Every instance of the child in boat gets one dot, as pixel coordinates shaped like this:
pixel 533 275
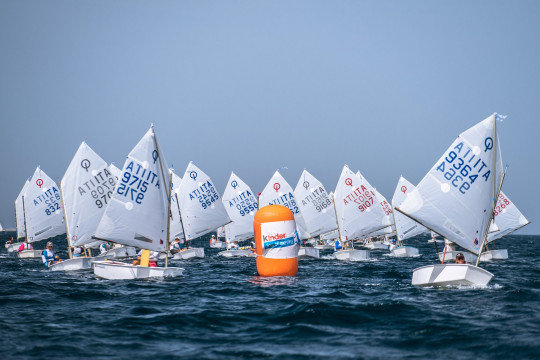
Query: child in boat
pixel 175 246
pixel 47 256
pixel 337 246
pixel 25 246
pixel 77 251
pixel 460 258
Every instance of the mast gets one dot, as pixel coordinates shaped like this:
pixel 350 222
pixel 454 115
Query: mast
pixel 168 193
pixel 181 221
pixel 337 219
pixel 65 220
pixel 24 217
pixel 16 225
pixel 495 194
pixel 395 224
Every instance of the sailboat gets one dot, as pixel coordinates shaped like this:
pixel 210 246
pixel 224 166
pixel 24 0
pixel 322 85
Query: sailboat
pixel 385 221
pixel 456 199
pixel 507 219
pixel 406 228
pixel 85 191
pixel 43 214
pixel 241 205
pixel 220 234
pixel 200 207
pixel 357 213
pixel 316 209
pixel 20 223
pixel 138 214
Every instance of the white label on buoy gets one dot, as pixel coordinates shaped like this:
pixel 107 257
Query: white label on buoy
pixel 279 239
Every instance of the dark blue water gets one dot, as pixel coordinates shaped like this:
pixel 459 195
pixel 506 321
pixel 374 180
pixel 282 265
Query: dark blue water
pixel 220 309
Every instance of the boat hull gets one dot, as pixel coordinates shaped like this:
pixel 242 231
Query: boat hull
pixel 490 255
pixel 219 245
pixel 120 252
pixel 237 253
pixel 324 247
pixel 305 251
pixel 451 256
pixel 114 270
pixel 78 263
pixel 376 246
pixel 451 275
pixel 189 253
pixel 13 247
pixel 352 255
pixel 30 254
pixel 405 251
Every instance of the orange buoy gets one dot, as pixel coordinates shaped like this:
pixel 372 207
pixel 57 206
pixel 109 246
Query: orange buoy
pixel 276 241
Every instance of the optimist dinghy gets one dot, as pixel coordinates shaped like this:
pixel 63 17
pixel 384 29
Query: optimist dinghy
pixel 241 205
pixel 456 199
pixel 406 227
pixel 200 207
pixel 42 209
pixel 138 213
pixel 85 191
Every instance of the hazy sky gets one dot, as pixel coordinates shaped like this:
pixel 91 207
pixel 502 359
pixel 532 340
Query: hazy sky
pixel 251 86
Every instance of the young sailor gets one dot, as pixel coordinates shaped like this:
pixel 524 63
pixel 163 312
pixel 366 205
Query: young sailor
pixel 25 246
pixel 175 246
pixel 213 239
pixel 104 247
pixel 337 245
pixel 47 256
pixel 9 242
pixel 77 251
pixel 235 246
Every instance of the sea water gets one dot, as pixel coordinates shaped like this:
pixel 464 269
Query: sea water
pixel 221 309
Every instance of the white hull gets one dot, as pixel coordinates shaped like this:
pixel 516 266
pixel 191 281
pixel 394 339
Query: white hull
pixel 113 270
pixel 237 253
pixel 305 251
pixel 77 263
pixel 324 247
pixel 352 255
pixel 376 246
pixel 490 255
pixel 451 274
pixel 189 253
pixel 29 254
pixel 451 256
pixel 405 251
pixel 120 252
pixel 219 245
pixel 13 247
pixel 432 241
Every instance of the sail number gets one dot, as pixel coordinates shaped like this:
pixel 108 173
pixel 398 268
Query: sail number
pixel 133 187
pixel 205 193
pixel 463 171
pixel 286 200
pixel 502 203
pixel 52 204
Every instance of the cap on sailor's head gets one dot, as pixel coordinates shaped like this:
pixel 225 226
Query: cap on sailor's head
pixel 213 235
pixel 460 256
pixel 49 243
pixel 176 239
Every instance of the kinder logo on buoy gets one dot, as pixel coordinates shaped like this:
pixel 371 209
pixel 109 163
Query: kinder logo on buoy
pixel 280 234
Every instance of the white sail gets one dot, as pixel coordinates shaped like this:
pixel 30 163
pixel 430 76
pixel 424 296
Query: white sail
pixel 176 221
pixel 87 187
pixel 279 192
pixel 200 204
pixel 315 205
pixel 137 214
pixel 405 226
pixel 455 198
pixel 241 205
pixel 507 218
pixel 357 209
pixel 1 228
pixel 19 212
pixel 43 208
